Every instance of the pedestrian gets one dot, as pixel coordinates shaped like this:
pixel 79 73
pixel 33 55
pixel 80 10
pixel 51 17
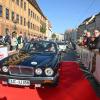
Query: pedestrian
pixel 14 42
pixel 25 39
pixel 7 38
pixel 20 41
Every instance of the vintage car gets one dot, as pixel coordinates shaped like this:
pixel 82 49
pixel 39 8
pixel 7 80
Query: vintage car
pixel 62 46
pixel 37 63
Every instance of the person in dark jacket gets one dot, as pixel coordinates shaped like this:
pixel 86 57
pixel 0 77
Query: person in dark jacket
pixel 20 42
pixel 88 39
pixel 97 39
pixel 25 39
pixel 7 38
pixel 92 44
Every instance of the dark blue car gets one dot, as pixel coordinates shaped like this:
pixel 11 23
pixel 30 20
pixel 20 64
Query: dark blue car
pixel 37 63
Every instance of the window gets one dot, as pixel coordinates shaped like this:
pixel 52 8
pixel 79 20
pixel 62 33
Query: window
pixel 34 27
pixel 21 3
pixel 24 21
pixel 33 14
pixel 29 12
pixel 24 5
pixel 31 25
pixel 37 18
pixel 21 20
pixel 17 18
pixel 7 13
pixel 28 24
pixel 0 11
pixel 12 16
pixel 17 2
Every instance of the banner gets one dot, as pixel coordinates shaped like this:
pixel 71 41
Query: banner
pixel 3 52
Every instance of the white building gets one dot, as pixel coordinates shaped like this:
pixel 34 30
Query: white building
pixel 48 30
pixel 59 37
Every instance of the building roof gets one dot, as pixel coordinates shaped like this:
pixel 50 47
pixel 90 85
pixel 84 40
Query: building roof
pixel 98 14
pixel 35 4
pixel 86 20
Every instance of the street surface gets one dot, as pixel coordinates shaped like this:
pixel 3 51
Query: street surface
pixel 72 86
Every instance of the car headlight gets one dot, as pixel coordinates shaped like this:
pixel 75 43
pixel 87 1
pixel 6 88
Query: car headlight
pixel 49 71
pixel 5 69
pixel 38 71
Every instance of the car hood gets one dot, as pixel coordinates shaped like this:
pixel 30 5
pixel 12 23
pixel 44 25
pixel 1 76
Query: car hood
pixel 38 60
pixel 33 60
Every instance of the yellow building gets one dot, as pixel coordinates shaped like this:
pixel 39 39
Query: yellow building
pixel 23 16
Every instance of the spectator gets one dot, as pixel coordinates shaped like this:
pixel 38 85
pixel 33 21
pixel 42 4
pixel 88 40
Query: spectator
pixel 7 38
pixel 97 39
pixel 87 39
pixel 25 39
pixel 14 42
pixel 92 44
pixel 84 40
pixel 1 38
pixel 20 42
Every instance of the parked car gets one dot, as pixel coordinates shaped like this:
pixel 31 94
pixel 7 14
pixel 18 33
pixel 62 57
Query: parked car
pixel 37 63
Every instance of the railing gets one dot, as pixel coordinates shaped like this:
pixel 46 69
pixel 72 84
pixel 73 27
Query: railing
pixel 90 60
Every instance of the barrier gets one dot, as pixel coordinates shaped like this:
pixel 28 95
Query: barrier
pixel 96 72
pixel 90 60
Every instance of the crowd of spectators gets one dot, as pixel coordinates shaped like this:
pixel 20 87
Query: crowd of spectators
pixel 92 41
pixel 15 41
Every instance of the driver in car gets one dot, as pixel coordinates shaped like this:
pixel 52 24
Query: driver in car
pixel 49 47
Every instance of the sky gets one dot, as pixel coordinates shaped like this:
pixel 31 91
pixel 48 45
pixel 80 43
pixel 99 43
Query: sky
pixel 68 14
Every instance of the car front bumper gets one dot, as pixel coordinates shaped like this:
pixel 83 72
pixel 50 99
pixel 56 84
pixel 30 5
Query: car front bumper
pixel 33 80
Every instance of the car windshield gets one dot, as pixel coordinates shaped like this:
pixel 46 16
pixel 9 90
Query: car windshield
pixel 61 43
pixel 40 46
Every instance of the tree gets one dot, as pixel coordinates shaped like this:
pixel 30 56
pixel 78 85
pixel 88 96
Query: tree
pixel 53 36
pixel 42 29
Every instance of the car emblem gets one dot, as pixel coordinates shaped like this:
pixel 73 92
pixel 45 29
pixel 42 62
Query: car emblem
pixel 34 63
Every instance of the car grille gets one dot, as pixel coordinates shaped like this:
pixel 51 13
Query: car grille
pixel 21 70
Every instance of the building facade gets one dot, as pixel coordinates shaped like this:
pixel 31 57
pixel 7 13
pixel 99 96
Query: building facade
pixel 22 16
pixel 48 30
pixel 90 24
pixel 59 36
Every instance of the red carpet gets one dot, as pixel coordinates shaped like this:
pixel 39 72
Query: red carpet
pixel 72 86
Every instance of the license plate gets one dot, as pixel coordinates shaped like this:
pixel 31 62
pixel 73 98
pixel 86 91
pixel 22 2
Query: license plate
pixel 19 82
pixel 37 85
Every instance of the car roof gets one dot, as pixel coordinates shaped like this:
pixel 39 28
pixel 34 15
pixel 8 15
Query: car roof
pixel 61 42
pixel 43 41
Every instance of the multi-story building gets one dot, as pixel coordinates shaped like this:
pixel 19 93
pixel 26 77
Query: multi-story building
pixel 22 16
pixel 90 24
pixel 48 30
pixel 59 36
